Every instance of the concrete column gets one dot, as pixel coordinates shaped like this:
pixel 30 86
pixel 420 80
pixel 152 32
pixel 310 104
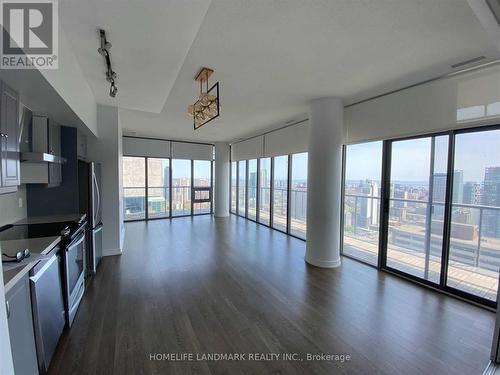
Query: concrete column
pixel 324 176
pixel 221 179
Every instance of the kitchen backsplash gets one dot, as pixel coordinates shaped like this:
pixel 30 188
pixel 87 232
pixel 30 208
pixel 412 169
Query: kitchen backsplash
pixel 9 206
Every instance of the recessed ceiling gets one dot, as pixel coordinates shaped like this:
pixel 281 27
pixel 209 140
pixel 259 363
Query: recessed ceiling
pixel 150 42
pixel 273 57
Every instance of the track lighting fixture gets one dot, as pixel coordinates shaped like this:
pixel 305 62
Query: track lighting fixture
pixel 111 75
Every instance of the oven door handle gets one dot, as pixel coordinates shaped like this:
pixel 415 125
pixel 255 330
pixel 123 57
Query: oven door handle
pixel 76 243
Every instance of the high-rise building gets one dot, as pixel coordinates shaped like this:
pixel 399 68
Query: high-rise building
pixel 472 193
pixel 458 186
pixel 439 187
pixel 368 212
pixel 491 197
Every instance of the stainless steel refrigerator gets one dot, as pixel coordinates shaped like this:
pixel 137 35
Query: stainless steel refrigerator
pixel 91 201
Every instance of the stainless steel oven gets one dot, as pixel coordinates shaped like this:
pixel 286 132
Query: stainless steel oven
pixel 74 273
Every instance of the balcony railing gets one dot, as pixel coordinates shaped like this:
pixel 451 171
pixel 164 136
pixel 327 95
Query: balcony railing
pixel 415 239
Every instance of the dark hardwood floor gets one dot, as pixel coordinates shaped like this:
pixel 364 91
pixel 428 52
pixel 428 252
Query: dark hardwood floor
pixel 205 285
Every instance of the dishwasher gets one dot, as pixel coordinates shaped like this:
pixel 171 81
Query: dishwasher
pixel 48 307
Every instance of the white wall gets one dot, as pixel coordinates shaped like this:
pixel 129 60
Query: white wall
pixel 435 106
pixel 70 83
pixel 107 150
pixel 9 206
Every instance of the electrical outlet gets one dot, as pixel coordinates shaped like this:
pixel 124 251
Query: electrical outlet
pixel 20 202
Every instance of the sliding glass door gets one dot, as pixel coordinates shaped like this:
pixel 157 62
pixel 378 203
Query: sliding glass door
pixel 474 257
pixel 265 191
pixel 158 188
pixel 252 189
pixel 242 190
pixel 280 192
pixel 298 195
pixel 234 186
pixel 439 209
pixel 134 188
pixel 202 191
pixel 417 190
pixel 181 187
pixel 362 183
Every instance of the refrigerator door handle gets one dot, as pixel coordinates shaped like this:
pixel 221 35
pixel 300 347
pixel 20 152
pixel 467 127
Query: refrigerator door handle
pixel 98 197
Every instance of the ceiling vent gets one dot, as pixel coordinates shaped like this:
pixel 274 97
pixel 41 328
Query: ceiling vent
pixel 495 9
pixel 468 62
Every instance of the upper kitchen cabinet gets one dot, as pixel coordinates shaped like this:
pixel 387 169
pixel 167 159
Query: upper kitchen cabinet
pixel 9 139
pixel 81 146
pixel 42 162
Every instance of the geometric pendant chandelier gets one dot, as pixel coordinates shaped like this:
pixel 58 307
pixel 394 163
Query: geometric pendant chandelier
pixel 207 107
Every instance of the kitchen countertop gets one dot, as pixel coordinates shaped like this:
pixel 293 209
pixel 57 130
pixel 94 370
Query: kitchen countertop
pixel 50 219
pixel 41 245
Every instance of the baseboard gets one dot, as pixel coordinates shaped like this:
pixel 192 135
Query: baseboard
pixel 111 252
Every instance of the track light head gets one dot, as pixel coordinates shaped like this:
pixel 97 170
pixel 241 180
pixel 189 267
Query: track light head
pixel 113 90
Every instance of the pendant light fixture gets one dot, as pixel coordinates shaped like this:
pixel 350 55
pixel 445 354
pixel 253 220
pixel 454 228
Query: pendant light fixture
pixel 207 107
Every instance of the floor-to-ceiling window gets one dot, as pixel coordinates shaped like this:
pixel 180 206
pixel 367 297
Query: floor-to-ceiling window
pixel 181 187
pixel 242 180
pixel 134 188
pixel 439 204
pixel 280 192
pixel 234 186
pixel 158 188
pixel 202 182
pixel 362 182
pixel 265 191
pixel 298 195
pixel 252 189
pixel 418 177
pixel 474 257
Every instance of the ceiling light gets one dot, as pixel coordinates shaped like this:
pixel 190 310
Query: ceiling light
pixel 104 48
pixel 207 107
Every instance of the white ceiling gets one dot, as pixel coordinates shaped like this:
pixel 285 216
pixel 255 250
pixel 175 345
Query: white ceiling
pixel 150 40
pixel 271 57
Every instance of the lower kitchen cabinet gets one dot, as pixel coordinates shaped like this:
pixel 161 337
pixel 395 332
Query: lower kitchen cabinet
pixel 20 320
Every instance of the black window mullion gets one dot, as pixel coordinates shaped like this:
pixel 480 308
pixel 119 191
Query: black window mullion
pixel 170 186
pixel 212 187
pixel 384 203
pixel 288 193
pixel 271 195
pixel 237 188
pixel 447 211
pixel 246 188
pixel 146 190
pixel 342 200
pixel 257 193
pixel 192 187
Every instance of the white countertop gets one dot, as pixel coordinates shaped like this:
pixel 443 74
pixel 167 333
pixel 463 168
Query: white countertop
pixel 41 245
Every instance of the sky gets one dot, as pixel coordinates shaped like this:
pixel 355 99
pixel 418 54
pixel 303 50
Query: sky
pixel 410 159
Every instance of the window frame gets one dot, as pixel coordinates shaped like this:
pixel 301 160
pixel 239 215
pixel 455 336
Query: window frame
pixel 146 187
pixel 441 286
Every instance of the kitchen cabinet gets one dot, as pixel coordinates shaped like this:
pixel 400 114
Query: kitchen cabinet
pixel 81 146
pixel 54 148
pixel 45 144
pixel 20 321
pixel 9 139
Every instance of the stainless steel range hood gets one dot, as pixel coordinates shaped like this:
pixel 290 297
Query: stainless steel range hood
pixel 41 157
